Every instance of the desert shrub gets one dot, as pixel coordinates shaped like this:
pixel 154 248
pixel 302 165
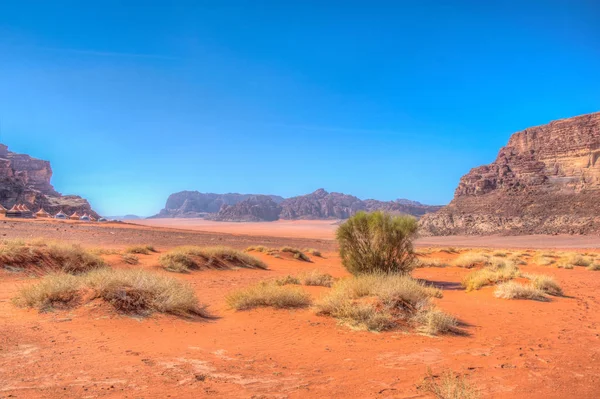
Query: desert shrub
pixel 470 259
pixel 448 386
pixel 380 302
pixel 68 258
pixel 184 259
pixel 377 242
pixel 130 259
pixel 317 278
pixel 289 279
pixel 266 294
pixel 594 267
pixel 489 275
pixel 140 249
pixel 500 254
pixel 545 283
pixel 53 290
pixel 296 253
pixel 136 291
pixel 513 290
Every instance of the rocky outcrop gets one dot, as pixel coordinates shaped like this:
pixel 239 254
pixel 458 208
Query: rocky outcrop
pixel 26 180
pixel 248 207
pixel 321 205
pixel 193 204
pixel 545 181
pixel 324 205
pixel 257 208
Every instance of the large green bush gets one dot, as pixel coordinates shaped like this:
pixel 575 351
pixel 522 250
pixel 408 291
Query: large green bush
pixel 377 242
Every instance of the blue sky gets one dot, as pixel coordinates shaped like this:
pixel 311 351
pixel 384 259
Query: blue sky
pixel 380 99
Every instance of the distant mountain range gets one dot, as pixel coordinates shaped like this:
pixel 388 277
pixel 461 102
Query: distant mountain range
pixel 125 217
pixel 255 207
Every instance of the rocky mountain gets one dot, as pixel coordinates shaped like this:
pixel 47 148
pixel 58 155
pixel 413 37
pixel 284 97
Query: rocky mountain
pixel 321 205
pixel 193 204
pixel 317 205
pixel 257 208
pixel 26 180
pixel 545 181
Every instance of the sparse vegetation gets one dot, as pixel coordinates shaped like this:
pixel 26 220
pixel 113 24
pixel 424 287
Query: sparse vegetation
pixel 184 259
pixel 470 259
pixel 130 259
pixel 377 242
pixel 490 275
pixel 131 291
pixel 513 290
pixel 289 279
pixel 140 249
pixel 296 253
pixel 313 252
pixel 431 262
pixel 380 302
pixel 448 386
pixel 68 258
pixel 545 283
pixel 594 267
pixel 318 278
pixel 55 290
pixel 267 294
pixel 578 260
pixel 139 292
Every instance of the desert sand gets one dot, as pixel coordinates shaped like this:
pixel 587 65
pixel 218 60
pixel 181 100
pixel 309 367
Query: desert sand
pixel 508 349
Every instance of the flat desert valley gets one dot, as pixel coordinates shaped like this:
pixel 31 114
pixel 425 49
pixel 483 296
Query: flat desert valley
pixel 502 348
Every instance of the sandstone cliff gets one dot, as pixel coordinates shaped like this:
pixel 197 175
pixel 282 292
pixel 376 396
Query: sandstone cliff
pixel 194 204
pixel 257 208
pixel 24 179
pixel 545 181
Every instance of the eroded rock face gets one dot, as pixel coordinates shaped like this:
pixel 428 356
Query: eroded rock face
pixel 545 181
pixel 193 204
pixel 257 208
pixel 24 179
pixel 249 207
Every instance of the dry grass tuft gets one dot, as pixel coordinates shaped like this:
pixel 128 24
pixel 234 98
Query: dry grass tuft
pixel 594 267
pixel 380 302
pixel 267 294
pixel 471 259
pixel 431 262
pixel 130 259
pixel 53 257
pixel 140 292
pixel 297 253
pixel 578 260
pixel 448 386
pixel 184 259
pixel 140 249
pixel 317 278
pixel 313 252
pixel 513 290
pixel 289 279
pixel 545 283
pixel 490 275
pixel 55 290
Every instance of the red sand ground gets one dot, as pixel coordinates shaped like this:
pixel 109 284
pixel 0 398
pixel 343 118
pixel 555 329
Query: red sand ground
pixel 512 349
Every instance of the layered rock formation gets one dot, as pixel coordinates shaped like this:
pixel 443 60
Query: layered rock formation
pixel 193 204
pixel 257 208
pixel 317 205
pixel 545 181
pixel 26 180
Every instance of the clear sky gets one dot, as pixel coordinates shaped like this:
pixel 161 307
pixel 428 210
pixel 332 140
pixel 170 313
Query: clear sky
pixel 380 99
